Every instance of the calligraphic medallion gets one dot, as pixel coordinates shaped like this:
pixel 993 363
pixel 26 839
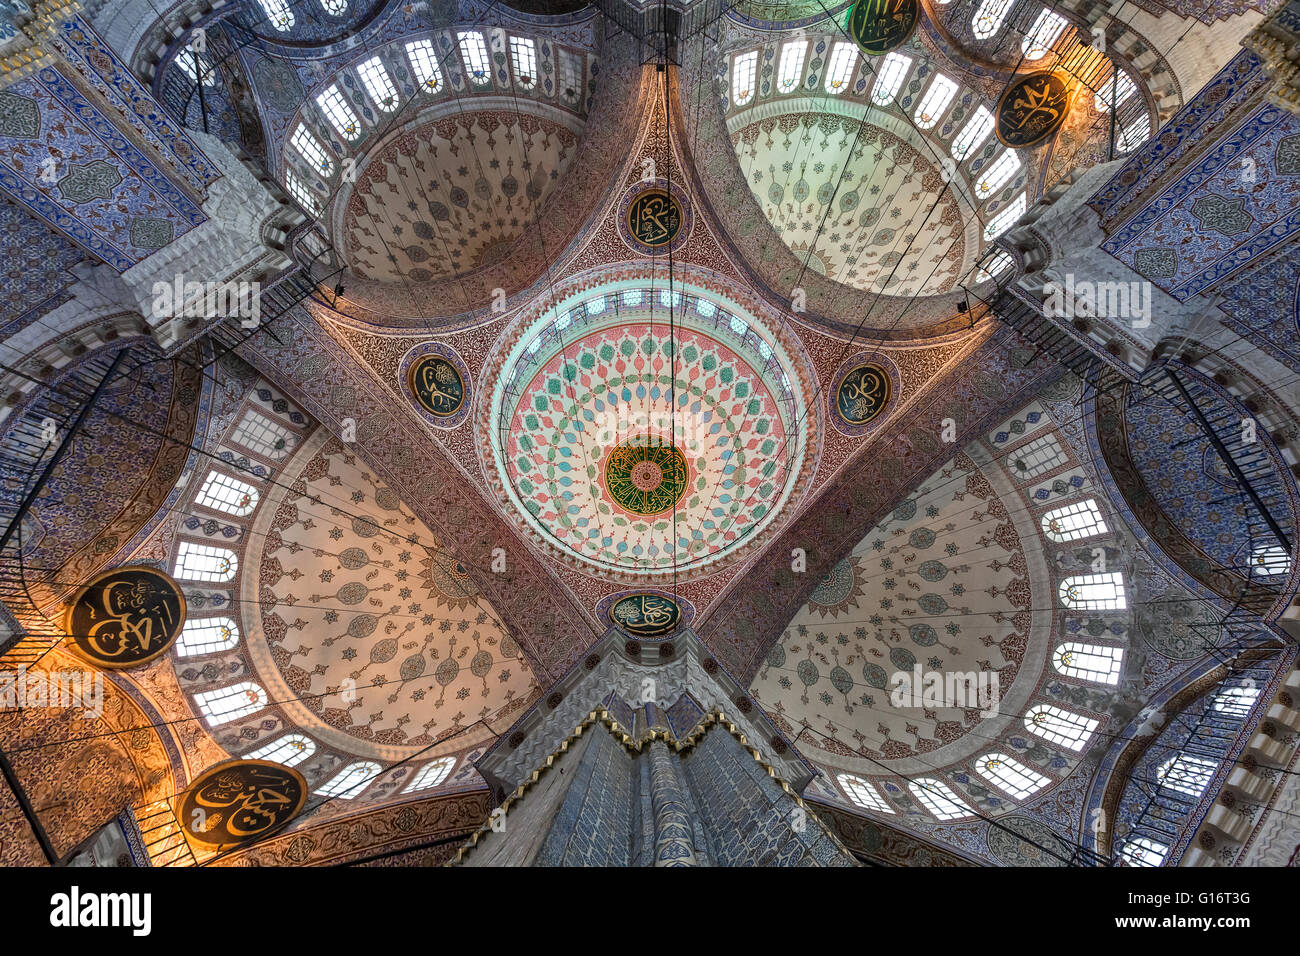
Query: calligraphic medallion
pixel 646 475
pixel 125 617
pixel 240 801
pixel 878 26
pixel 1032 108
pixel 654 218
pixel 645 615
pixel 437 385
pixel 863 394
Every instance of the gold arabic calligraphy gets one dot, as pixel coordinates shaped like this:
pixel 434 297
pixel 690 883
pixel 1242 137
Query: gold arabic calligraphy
pixel 654 218
pixel 126 616
pixel 238 802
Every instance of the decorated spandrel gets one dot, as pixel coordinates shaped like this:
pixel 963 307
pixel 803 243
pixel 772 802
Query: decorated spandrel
pixel 241 801
pixel 1032 108
pixel 654 218
pixel 863 394
pixel 646 476
pixel 437 385
pixel 125 617
pixel 878 26
pixel 646 614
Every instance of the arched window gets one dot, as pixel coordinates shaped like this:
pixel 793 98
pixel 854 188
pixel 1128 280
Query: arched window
pixel 1269 562
pixel 743 71
pixel 997 174
pixel 1186 773
pixel 988 18
pixel 1045 31
pixel 432 774
pixel 840 70
pixel 351 780
pixel 230 703
pixel 263 436
pixel 1135 134
pixel 1036 457
pixel 335 8
pixel 570 77
pixel 424 64
pixel 1062 727
pixel 1010 775
pixel 863 793
pixel 1005 219
pixel 374 77
pixel 1116 89
pixel 790 73
pixel 939 800
pixel 1092 662
pixel 278 12
pixel 194 65
pixel 937 97
pixel 206 635
pixel 523 56
pixel 973 134
pixel 994 265
pixel 202 562
pixel 889 78
pixel 220 492
pixel 1143 851
pixel 1079 519
pixel 1094 592
pixel 290 750
pixel 298 189
pixel 310 149
pixel 339 113
pixel 1235 701
pixel 474 52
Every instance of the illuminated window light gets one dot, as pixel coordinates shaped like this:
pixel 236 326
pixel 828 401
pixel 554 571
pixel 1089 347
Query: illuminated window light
pixel 840 70
pixel 1005 219
pixel 743 72
pixel 790 73
pixel 1061 727
pixel 377 83
pixel 937 97
pixel 889 79
pixel 523 56
pixel 1091 662
pixel 340 115
pixel 424 64
pixel 1045 31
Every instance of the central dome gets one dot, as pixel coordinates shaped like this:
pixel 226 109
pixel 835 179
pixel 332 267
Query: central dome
pixel 639 446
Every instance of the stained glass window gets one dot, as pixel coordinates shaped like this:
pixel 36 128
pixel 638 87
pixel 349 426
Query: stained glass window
pixel 1062 727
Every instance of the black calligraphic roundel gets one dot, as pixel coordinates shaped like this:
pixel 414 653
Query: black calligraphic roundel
pixel 654 218
pixel 241 801
pixel 645 615
pixel 1032 108
pixel 125 617
pixel 863 394
pixel 878 26
pixel 437 385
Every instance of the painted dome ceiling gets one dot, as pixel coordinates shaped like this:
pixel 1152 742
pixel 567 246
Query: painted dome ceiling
pixel 452 195
pixel 644 432
pixel 873 221
pixel 961 578
pixel 603 336
pixel 376 602
pixel 362 630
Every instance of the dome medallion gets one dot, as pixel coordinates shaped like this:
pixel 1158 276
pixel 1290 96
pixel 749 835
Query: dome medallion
pixel 636 448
